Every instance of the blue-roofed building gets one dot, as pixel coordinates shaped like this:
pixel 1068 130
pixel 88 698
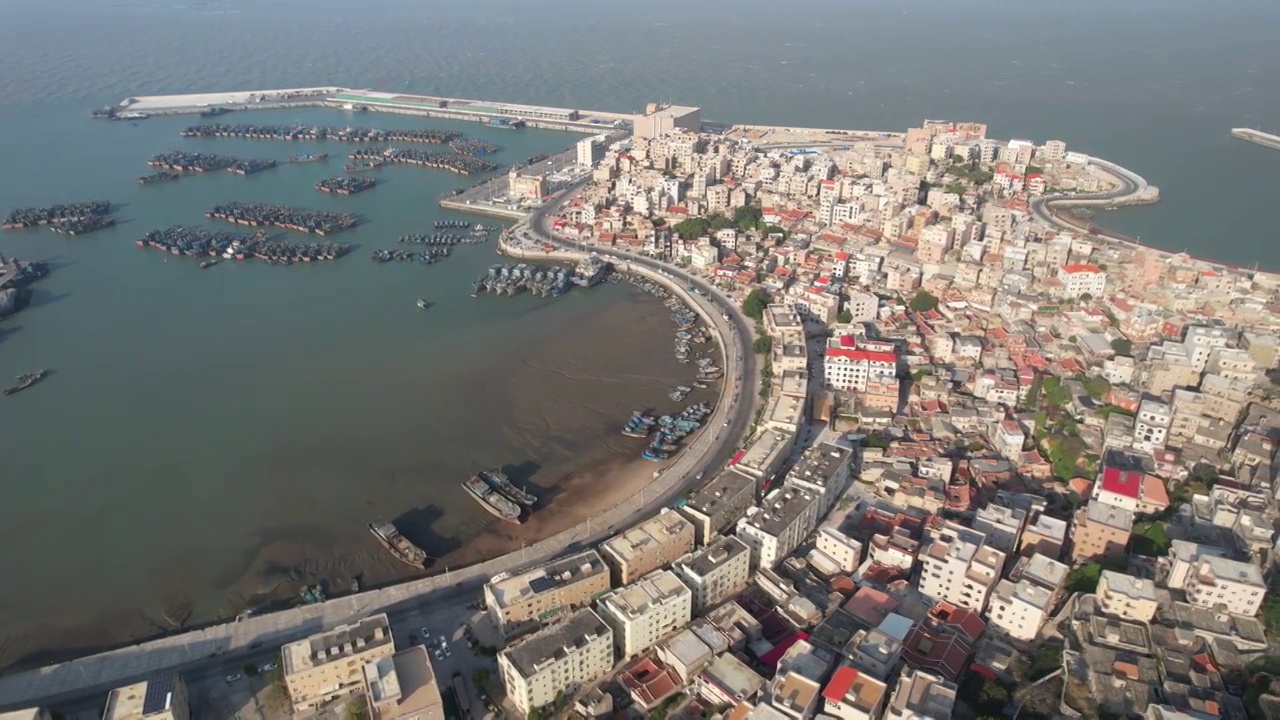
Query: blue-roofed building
pixel 162 696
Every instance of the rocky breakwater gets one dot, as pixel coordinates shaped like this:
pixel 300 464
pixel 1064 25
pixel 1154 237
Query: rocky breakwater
pixel 15 277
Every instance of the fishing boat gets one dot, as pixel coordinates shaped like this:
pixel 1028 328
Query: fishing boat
pixel 304 157
pixel 491 500
pixel 397 544
pixel 653 455
pixel 208 263
pixel 423 304
pixel 25 381
pixel 499 481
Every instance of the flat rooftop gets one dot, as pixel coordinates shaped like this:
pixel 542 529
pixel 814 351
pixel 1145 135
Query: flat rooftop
pixel 337 644
pixel 729 484
pixel 1002 516
pixel 1129 586
pixel 639 598
pixel 407 678
pixel 765 451
pixel 783 316
pixel 820 464
pixel 779 510
pixel 665 527
pixel 579 630
pixel 795 382
pixel 715 555
pixel 786 410
pixel 547 577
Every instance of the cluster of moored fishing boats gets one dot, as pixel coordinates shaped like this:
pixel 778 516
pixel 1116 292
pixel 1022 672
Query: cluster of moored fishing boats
pixel 346 184
pixel 451 225
pixel 156 178
pixel 318 132
pixel 192 241
pixel 453 162
pixel 668 430
pixel 67 218
pixel 498 495
pixel 316 222
pixel 181 161
pixel 511 279
pixel 429 256
pixel 473 147
pixel 475 238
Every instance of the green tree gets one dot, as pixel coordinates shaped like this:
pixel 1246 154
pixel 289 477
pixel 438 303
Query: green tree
pixel 659 222
pixel 874 441
pixel 747 217
pixel 762 345
pixel 692 228
pixel 479 677
pixel 1271 613
pixel 845 317
pixel 1097 387
pixel 1084 579
pixel 753 307
pixel 718 222
pixel 1122 346
pixel 923 301
pixel 1086 297
pixel 957 188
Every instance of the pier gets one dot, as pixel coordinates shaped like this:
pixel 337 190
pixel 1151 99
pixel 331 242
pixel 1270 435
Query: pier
pixel 1257 137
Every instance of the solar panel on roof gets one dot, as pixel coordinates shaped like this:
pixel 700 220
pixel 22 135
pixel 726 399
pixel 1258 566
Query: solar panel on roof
pixel 542 584
pixel 159 690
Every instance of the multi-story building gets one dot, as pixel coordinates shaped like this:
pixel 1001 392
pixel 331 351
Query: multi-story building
pixel 1082 279
pixel 1151 427
pixel 851 365
pixel 835 553
pixel 823 471
pixel 1222 583
pixel 861 306
pixel 558 659
pixel 957 566
pixel 717 505
pixel 330 664
pixel 160 697
pixel 521 602
pixel 716 572
pixel 1100 531
pixel 781 522
pixel 1045 535
pixel 1126 596
pixel 591 150
pixel 646 611
pixel 1019 609
pixel 921 696
pixel 878 651
pixel 654 543
pixel 1009 439
pixel 403 686
pixel 1002 526
pixel 853 695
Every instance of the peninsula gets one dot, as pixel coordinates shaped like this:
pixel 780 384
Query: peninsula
pixel 961 414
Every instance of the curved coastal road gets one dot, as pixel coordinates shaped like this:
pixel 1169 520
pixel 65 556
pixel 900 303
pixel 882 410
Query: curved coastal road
pixel 1132 186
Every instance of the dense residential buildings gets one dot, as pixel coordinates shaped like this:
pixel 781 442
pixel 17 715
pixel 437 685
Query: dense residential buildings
pixel 957 566
pixel 716 572
pixel 652 544
pixel 330 664
pixel 719 504
pixel 646 611
pixel 560 658
pixel 522 601
pixel 778 525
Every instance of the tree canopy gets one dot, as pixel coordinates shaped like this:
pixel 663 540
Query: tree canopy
pixel 753 307
pixel 923 301
pixel 1122 346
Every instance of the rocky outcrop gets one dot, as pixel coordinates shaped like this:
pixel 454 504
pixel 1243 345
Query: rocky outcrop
pixel 13 300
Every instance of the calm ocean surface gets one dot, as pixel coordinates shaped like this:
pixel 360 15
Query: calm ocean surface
pixel 213 436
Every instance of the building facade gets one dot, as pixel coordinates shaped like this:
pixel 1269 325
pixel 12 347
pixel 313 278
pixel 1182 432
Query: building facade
pixel 643 613
pixel 653 544
pixel 715 573
pixel 559 659
pixel 522 602
pixel 330 664
pixel 785 517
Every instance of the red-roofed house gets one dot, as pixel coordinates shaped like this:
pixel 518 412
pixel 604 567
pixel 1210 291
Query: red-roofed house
pixel 648 682
pixel 853 695
pixel 1132 490
pixel 936 649
pixel 870 606
pixel 1080 279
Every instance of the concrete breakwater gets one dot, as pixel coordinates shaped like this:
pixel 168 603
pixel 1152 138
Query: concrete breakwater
pixel 232 642
pixel 1257 137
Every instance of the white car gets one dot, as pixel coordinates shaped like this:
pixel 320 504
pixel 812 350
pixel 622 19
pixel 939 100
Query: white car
pixel 426 633
pixel 268 667
pixel 233 677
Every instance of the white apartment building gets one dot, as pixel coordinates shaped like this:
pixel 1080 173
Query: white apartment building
pixel 1009 439
pixel 1020 604
pixel 861 306
pixel 850 365
pixel 1200 342
pixel 958 567
pixel 921 696
pixel 1126 596
pixel 778 525
pixel 716 572
pixel 558 659
pixel 1151 427
pixel 835 553
pixel 822 471
pixel 646 611
pixel 1218 582
pixel 1002 526
pixel 1081 278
